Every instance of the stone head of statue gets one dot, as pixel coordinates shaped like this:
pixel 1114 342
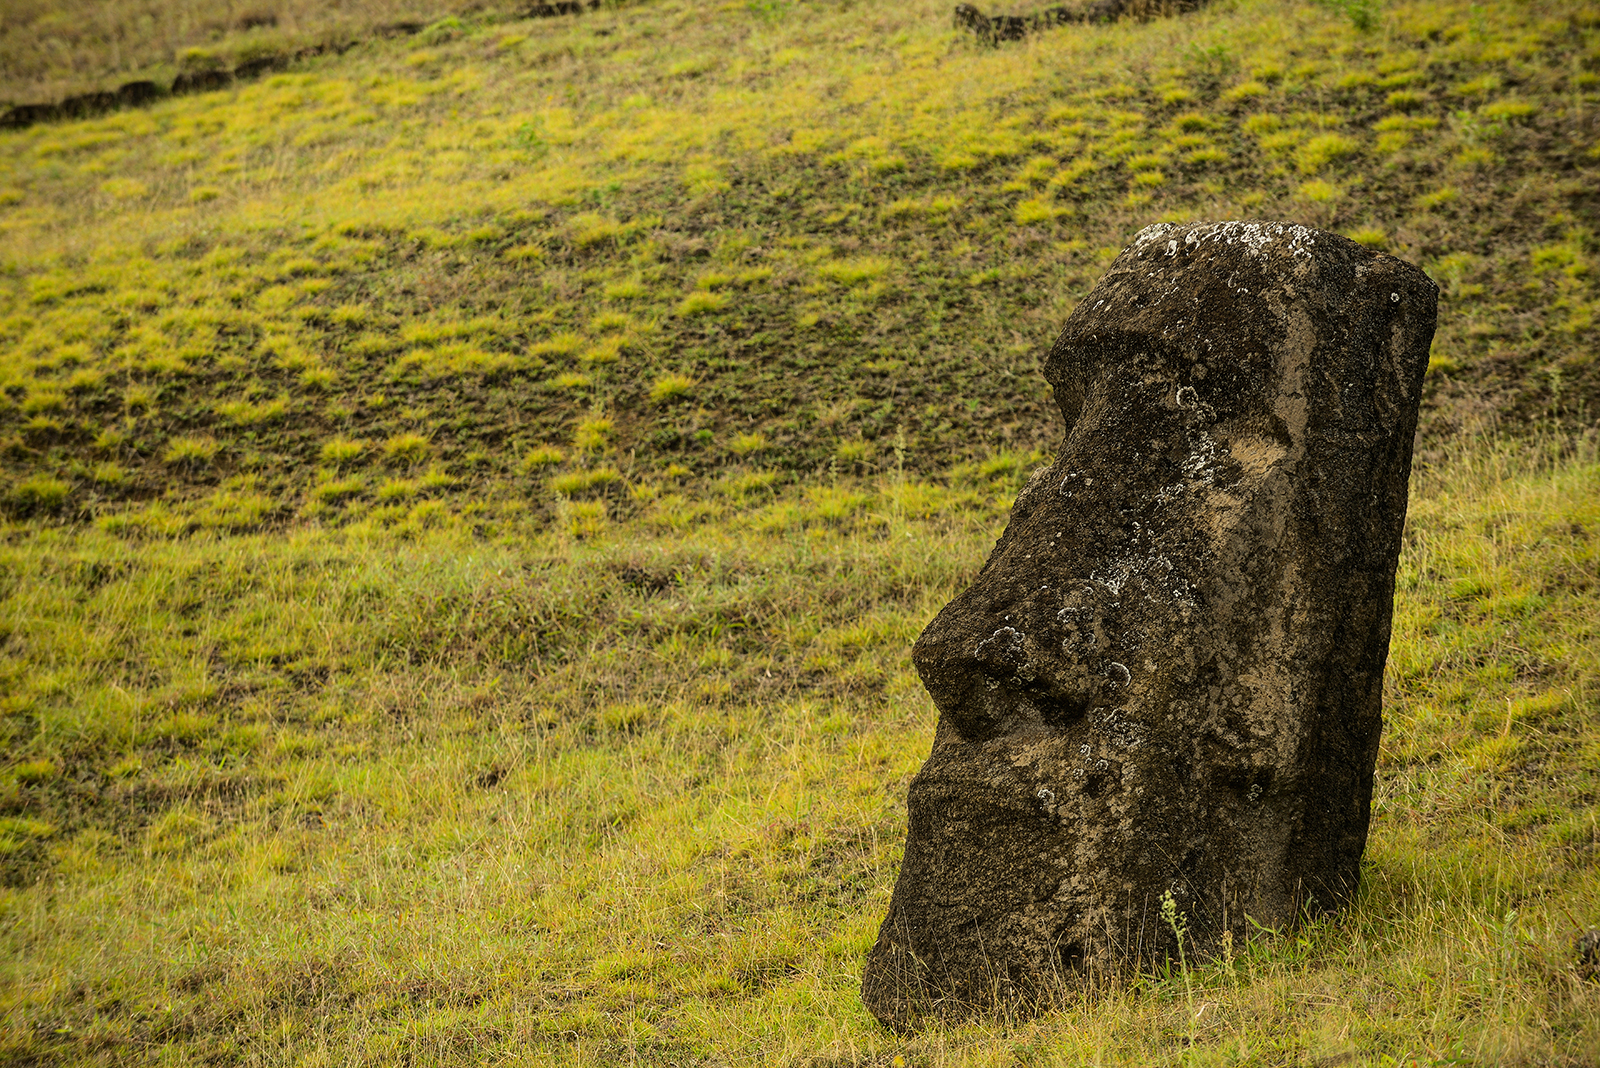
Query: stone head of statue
pixel 1163 688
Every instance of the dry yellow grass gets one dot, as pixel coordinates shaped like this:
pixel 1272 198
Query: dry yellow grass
pixel 348 797
pixel 50 49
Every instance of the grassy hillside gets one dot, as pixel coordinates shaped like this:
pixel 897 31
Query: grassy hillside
pixel 467 503
pixel 328 797
pixel 605 255
pixel 50 49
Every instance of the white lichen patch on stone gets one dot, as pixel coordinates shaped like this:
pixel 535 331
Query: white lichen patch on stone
pixel 1120 731
pixel 1153 573
pixel 1069 485
pixel 1253 236
pixel 1201 463
pixel 1005 645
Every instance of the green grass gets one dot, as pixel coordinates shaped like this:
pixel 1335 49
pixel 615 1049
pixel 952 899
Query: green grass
pixel 363 793
pixel 50 50
pixel 466 505
pixel 835 227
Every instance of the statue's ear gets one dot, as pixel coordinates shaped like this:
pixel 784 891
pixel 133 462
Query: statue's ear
pixel 1068 378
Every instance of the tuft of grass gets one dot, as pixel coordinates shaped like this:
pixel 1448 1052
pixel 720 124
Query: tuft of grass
pixel 235 511
pixel 1508 110
pixel 109 474
pixel 584 519
pixel 1318 191
pixel 575 483
pixel 1371 236
pixel 34 772
pixel 407 449
pixel 192 452
pixel 608 351
pixel 1318 152
pixel 85 380
pixel 571 380
pixel 318 379
pixel 541 456
pixel 245 413
pixel 671 387
pixel 853 272
pixel 332 490
pixel 592 434
pixel 341 451
pixel 627 289
pixel 40 494
pixel 42 399
pixel 396 489
pixel 1438 198
pixel 853 452
pixel 748 444
pixel 1036 210
pixel 700 304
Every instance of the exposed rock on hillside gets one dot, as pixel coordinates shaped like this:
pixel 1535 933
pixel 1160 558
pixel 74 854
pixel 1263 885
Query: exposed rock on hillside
pixel 996 28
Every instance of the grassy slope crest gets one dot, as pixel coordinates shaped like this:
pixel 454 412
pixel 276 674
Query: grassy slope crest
pixel 620 258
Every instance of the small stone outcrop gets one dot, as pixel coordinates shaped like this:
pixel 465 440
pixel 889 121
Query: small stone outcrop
pixel 993 29
pixel 25 115
pixel 87 104
pixel 138 94
pixel 204 79
pixel 1160 701
pixel 259 65
pixel 1586 952
pixel 83 106
pixel 201 81
pixel 561 7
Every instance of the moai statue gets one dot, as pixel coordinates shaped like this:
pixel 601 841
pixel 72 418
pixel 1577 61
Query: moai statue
pixel 1165 686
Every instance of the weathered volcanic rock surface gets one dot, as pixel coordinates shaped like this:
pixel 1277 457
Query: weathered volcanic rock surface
pixel 1168 676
